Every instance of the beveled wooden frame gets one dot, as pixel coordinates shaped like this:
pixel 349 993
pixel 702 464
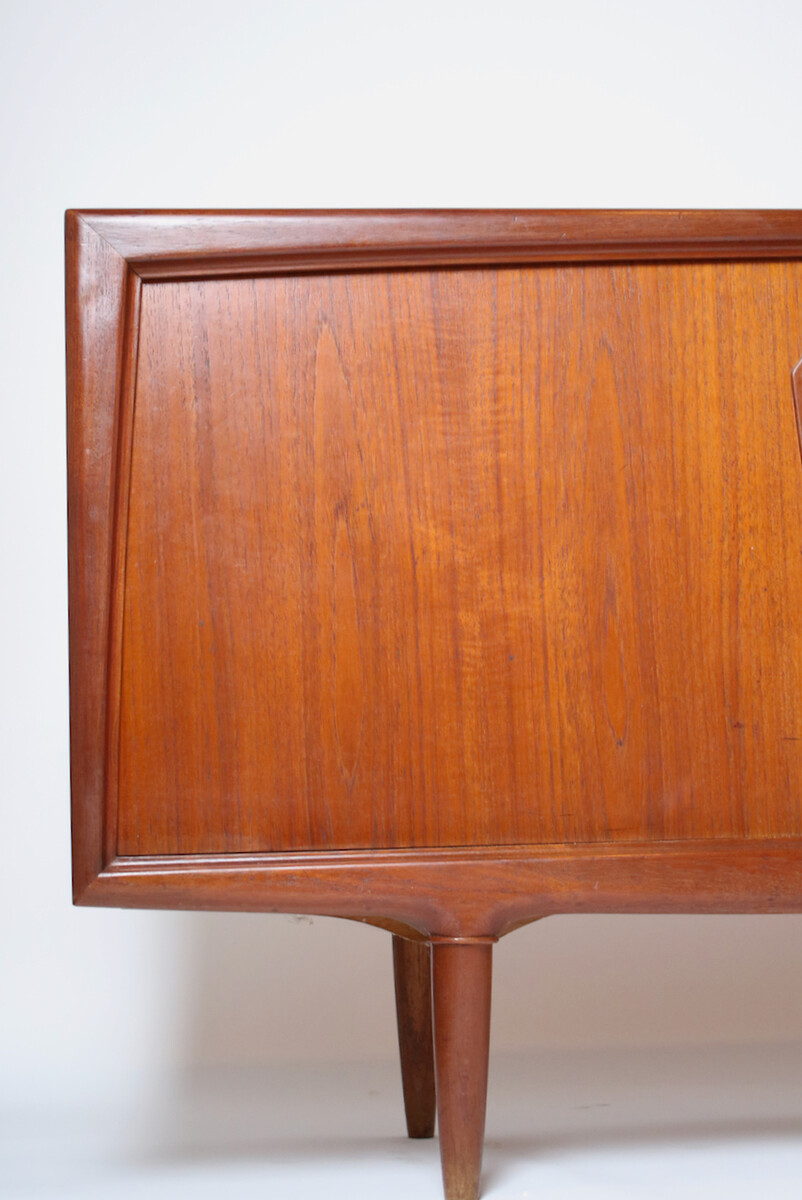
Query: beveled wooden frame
pixel 466 894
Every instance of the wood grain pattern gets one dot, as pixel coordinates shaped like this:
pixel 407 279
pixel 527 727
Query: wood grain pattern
pixel 730 868
pixel 464 558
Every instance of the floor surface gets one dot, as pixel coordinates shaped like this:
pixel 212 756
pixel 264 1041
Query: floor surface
pixel 651 1124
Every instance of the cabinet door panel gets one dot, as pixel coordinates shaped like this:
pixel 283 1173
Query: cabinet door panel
pixel 463 557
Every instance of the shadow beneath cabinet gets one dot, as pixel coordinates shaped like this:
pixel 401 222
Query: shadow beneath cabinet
pixel 541 1108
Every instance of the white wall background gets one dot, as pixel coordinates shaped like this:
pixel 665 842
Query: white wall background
pixel 165 103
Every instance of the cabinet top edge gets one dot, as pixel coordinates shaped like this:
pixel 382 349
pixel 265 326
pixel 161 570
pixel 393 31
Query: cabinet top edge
pixel 159 242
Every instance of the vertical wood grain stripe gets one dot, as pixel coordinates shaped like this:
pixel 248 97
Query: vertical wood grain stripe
pixel 343 536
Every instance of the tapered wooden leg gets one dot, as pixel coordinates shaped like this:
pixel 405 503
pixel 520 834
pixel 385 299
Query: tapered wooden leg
pixel 413 1001
pixel 461 976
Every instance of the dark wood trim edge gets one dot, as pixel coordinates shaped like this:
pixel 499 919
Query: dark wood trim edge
pixel 96 281
pixel 182 245
pixel 472 893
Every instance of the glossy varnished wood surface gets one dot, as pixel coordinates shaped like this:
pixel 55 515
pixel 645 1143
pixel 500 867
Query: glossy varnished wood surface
pixel 113 259
pixel 440 558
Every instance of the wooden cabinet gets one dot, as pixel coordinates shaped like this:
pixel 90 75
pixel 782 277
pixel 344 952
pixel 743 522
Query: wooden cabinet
pixel 440 570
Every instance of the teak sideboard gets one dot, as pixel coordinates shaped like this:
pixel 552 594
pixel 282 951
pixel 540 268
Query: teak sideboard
pixel 441 570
